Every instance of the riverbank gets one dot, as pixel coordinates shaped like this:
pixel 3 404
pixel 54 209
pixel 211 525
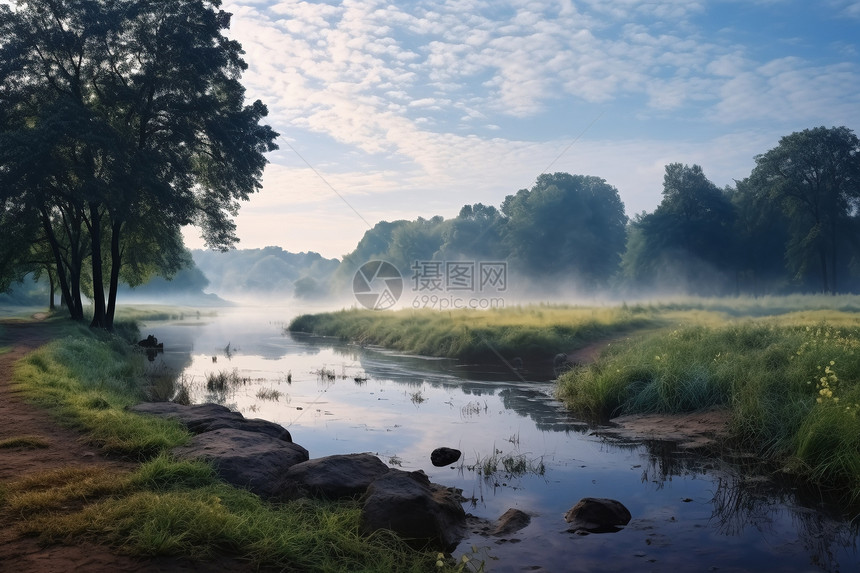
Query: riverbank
pixel 521 338
pixel 92 488
pixel 785 371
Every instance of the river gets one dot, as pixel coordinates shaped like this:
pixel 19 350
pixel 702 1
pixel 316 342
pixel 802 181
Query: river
pixel 690 513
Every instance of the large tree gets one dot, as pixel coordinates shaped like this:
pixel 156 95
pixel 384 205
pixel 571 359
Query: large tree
pixel 687 242
pixel 815 175
pixel 566 226
pixel 123 121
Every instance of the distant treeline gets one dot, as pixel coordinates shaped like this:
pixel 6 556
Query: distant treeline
pixel 791 226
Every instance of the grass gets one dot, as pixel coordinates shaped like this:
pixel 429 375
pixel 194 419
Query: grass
pixel 166 507
pixel 27 442
pixel 792 385
pixel 509 465
pixel 180 509
pixel 87 382
pixel 537 331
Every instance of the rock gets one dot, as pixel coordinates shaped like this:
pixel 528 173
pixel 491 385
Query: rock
pixel 334 477
pixel 511 521
pixel 246 459
pixel 597 515
pixel 151 342
pixel 200 418
pixel 424 514
pixel 443 456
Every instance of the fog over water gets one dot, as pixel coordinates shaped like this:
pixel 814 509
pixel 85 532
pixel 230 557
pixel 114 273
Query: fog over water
pixel 689 512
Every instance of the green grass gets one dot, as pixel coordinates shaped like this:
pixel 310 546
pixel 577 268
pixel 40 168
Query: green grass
pixel 168 507
pixel 87 382
pixel 180 509
pixel 793 388
pixel 537 331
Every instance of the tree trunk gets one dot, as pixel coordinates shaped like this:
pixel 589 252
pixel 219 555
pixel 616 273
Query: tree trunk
pixel 822 257
pixel 51 288
pixel 58 261
pixel 95 224
pixel 116 263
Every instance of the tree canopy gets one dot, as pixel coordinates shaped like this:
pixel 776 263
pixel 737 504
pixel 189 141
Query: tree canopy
pixel 814 175
pixel 121 122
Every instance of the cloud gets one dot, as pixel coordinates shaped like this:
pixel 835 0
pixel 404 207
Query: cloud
pixel 417 108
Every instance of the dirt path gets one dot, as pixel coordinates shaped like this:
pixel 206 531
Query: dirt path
pixel 65 448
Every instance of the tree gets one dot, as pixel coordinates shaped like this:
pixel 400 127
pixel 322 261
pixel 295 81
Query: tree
pixel 566 225
pixel 688 237
pixel 124 121
pixel 476 233
pixel 762 228
pixel 814 174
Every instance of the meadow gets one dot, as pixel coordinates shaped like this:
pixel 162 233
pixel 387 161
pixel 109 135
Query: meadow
pixel 787 368
pixel 166 507
pixel 528 332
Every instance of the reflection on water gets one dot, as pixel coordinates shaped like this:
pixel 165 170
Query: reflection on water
pixel 689 512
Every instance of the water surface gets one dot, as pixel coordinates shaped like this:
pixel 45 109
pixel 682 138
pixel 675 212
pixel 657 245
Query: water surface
pixel 690 513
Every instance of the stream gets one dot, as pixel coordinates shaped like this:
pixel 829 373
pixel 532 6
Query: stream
pixel 521 449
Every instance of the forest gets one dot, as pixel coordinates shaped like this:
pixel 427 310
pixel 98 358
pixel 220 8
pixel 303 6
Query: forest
pixel 791 226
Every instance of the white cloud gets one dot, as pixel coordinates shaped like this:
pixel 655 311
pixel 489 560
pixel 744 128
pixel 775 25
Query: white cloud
pixel 401 107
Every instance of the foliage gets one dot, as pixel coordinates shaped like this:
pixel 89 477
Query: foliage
pixel 269 271
pixel 792 384
pixel 124 121
pixel 566 226
pixel 686 244
pixel 814 175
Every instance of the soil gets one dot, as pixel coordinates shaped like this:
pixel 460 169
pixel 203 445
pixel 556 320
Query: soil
pixel 701 429
pixel 66 448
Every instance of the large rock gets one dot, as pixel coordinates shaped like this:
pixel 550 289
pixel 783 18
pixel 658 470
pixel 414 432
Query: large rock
pixel 200 418
pixel 246 459
pixel 334 477
pixel 424 514
pixel 597 515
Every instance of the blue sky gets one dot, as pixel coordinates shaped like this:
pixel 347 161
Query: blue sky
pixel 395 110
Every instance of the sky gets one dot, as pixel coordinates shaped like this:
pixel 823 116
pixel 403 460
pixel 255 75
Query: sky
pixel 398 110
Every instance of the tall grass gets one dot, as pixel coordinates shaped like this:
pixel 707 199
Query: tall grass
pixel 793 388
pixel 535 331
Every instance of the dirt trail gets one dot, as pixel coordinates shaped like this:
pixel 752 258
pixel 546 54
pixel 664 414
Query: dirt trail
pixel 65 449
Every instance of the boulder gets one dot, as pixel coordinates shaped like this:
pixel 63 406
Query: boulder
pixel 334 477
pixel 444 456
pixel 510 522
pixel 424 514
pixel 597 515
pixel 245 459
pixel 200 418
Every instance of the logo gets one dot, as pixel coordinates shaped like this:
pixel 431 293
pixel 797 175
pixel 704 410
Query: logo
pixel 377 285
